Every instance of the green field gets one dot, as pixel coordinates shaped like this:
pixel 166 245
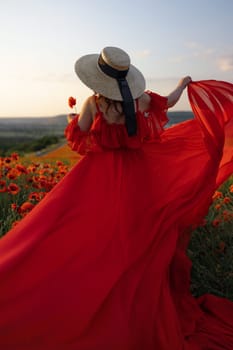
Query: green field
pixel 20 134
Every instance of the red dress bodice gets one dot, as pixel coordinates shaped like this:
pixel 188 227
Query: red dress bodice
pixel 105 136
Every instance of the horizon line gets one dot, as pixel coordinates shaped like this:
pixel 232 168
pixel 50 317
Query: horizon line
pixel 65 114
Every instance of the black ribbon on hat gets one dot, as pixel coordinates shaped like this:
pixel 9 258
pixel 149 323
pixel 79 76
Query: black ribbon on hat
pixel 128 102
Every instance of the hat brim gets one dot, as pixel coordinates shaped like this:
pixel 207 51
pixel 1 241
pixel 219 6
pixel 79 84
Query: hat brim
pixel 90 74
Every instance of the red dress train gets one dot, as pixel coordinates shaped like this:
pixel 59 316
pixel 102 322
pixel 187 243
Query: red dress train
pixel 100 263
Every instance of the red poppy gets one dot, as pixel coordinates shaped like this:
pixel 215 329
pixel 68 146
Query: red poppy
pixel 36 165
pixel 226 200
pixel 59 163
pixel 15 223
pixel 3 186
pixel 29 179
pixel 216 222
pixel 71 102
pixel 7 160
pixel 14 156
pixel 217 194
pixel 21 168
pixel 12 174
pixel 14 206
pixel 2 183
pixel 34 196
pixel 31 168
pixel 26 206
pixel 62 171
pixel 42 194
pixel 46 166
pixel 13 188
pixel 226 215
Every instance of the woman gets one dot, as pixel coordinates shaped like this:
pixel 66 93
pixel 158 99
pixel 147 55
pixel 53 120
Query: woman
pixel 100 263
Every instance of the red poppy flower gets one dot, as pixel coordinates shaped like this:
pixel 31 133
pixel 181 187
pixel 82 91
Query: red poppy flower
pixel 71 101
pixel 216 222
pixel 7 160
pixel 3 186
pixel 15 223
pixel 14 156
pixel 12 174
pixel 34 196
pixel 21 168
pixel 31 168
pixel 226 215
pixel 13 188
pixel 26 206
pixel 46 166
pixel 14 206
pixel 2 183
pixel 226 200
pixel 59 163
pixel 217 194
pixel 36 164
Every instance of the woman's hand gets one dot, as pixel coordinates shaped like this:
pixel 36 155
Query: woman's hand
pixel 70 117
pixel 184 82
pixel 174 96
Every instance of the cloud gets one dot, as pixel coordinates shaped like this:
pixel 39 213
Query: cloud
pixel 143 53
pixel 178 59
pixel 199 50
pixel 194 50
pixel 225 64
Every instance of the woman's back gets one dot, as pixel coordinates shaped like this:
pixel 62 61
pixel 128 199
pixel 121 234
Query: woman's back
pixel 112 111
pixel 101 124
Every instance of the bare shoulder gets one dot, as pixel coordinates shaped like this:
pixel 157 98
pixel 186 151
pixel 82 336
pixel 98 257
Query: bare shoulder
pixel 89 106
pixel 86 115
pixel 92 101
pixel 89 102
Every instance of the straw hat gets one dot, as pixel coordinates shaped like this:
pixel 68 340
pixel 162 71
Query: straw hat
pixel 100 73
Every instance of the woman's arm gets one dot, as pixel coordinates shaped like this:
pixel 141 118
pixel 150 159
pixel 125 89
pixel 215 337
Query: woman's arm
pixel 175 95
pixel 86 115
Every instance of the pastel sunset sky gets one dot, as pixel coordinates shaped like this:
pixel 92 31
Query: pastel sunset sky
pixel 166 39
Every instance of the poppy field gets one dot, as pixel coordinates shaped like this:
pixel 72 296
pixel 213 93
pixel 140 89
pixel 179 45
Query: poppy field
pixel 23 185
pixel 24 182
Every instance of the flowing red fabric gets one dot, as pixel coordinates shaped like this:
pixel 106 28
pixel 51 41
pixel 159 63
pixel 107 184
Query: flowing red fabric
pixel 100 262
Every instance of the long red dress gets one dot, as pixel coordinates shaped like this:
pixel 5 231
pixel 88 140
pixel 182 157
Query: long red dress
pixel 100 263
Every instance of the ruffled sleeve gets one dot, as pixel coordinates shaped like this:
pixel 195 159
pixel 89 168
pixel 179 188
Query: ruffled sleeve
pixel 159 106
pixel 77 139
pixel 151 123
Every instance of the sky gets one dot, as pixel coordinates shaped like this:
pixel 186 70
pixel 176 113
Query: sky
pixel 166 39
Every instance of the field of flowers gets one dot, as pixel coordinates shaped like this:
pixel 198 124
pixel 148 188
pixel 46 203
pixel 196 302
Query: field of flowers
pixel 25 182
pixel 211 247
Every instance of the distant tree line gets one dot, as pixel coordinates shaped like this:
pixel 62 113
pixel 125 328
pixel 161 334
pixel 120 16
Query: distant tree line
pixel 22 146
